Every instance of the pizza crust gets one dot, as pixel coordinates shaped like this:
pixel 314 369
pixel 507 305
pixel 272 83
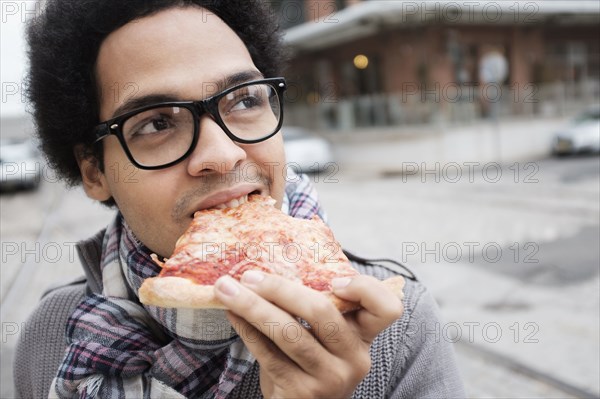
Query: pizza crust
pixel 178 292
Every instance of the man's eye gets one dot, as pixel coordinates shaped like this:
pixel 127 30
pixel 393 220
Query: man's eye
pixel 154 125
pixel 246 102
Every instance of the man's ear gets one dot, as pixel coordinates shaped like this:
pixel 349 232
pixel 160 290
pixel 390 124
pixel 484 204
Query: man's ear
pixel 94 181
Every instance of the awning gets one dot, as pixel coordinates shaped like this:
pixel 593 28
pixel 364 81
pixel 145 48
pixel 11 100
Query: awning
pixel 369 17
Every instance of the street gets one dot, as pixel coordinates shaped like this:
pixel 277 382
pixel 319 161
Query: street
pixel 511 255
pixel 509 251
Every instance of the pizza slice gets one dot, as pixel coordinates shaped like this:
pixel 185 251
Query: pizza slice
pixel 252 236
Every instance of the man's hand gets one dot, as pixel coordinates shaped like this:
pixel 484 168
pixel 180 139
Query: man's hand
pixel 327 360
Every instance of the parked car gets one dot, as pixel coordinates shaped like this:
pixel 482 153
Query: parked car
pixel 581 135
pixel 20 164
pixel 306 152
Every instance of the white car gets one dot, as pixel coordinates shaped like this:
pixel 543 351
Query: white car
pixel 581 135
pixel 306 152
pixel 20 164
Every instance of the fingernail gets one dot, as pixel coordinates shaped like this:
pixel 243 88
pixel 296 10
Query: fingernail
pixel 252 277
pixel 340 282
pixel 227 286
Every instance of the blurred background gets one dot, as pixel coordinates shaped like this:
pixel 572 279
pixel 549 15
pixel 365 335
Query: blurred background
pixel 458 137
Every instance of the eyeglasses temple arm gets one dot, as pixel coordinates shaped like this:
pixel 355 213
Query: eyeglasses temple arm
pixel 101 131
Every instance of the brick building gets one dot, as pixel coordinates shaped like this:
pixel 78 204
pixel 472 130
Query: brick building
pixel 362 63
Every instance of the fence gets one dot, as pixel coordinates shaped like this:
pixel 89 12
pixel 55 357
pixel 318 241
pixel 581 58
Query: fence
pixel 451 104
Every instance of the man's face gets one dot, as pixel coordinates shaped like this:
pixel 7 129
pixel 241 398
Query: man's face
pixel 181 53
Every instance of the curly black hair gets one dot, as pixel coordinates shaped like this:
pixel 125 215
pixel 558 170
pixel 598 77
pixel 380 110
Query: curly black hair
pixel 63 45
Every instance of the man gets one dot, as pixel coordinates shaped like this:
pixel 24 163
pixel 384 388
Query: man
pixel 173 94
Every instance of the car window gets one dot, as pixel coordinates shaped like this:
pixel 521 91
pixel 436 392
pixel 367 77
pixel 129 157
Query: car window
pixel 15 152
pixel 588 116
pixel 293 134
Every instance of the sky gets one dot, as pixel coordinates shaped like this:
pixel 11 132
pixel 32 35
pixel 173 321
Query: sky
pixel 12 54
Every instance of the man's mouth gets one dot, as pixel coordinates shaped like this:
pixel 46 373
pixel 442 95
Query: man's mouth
pixel 234 203
pixel 228 199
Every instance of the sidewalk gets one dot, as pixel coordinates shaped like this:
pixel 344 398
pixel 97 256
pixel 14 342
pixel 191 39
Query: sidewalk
pixel 47 259
pixel 513 338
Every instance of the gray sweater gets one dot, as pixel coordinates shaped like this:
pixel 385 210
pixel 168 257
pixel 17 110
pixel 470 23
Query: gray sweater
pixel 410 359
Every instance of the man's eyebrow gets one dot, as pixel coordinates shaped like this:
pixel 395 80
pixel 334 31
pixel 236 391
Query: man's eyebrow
pixel 139 102
pixel 220 85
pixel 237 78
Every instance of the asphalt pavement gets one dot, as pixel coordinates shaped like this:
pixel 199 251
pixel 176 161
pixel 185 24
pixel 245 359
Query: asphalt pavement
pixel 507 241
pixel 524 324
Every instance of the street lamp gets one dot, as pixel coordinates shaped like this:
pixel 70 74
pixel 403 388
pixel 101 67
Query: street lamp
pixel 361 61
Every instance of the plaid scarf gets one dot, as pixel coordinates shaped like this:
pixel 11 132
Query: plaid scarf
pixel 118 347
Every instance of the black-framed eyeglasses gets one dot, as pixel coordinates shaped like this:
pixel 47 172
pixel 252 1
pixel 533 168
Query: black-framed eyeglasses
pixel 160 135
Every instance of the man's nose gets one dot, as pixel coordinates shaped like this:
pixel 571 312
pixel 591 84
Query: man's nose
pixel 215 151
